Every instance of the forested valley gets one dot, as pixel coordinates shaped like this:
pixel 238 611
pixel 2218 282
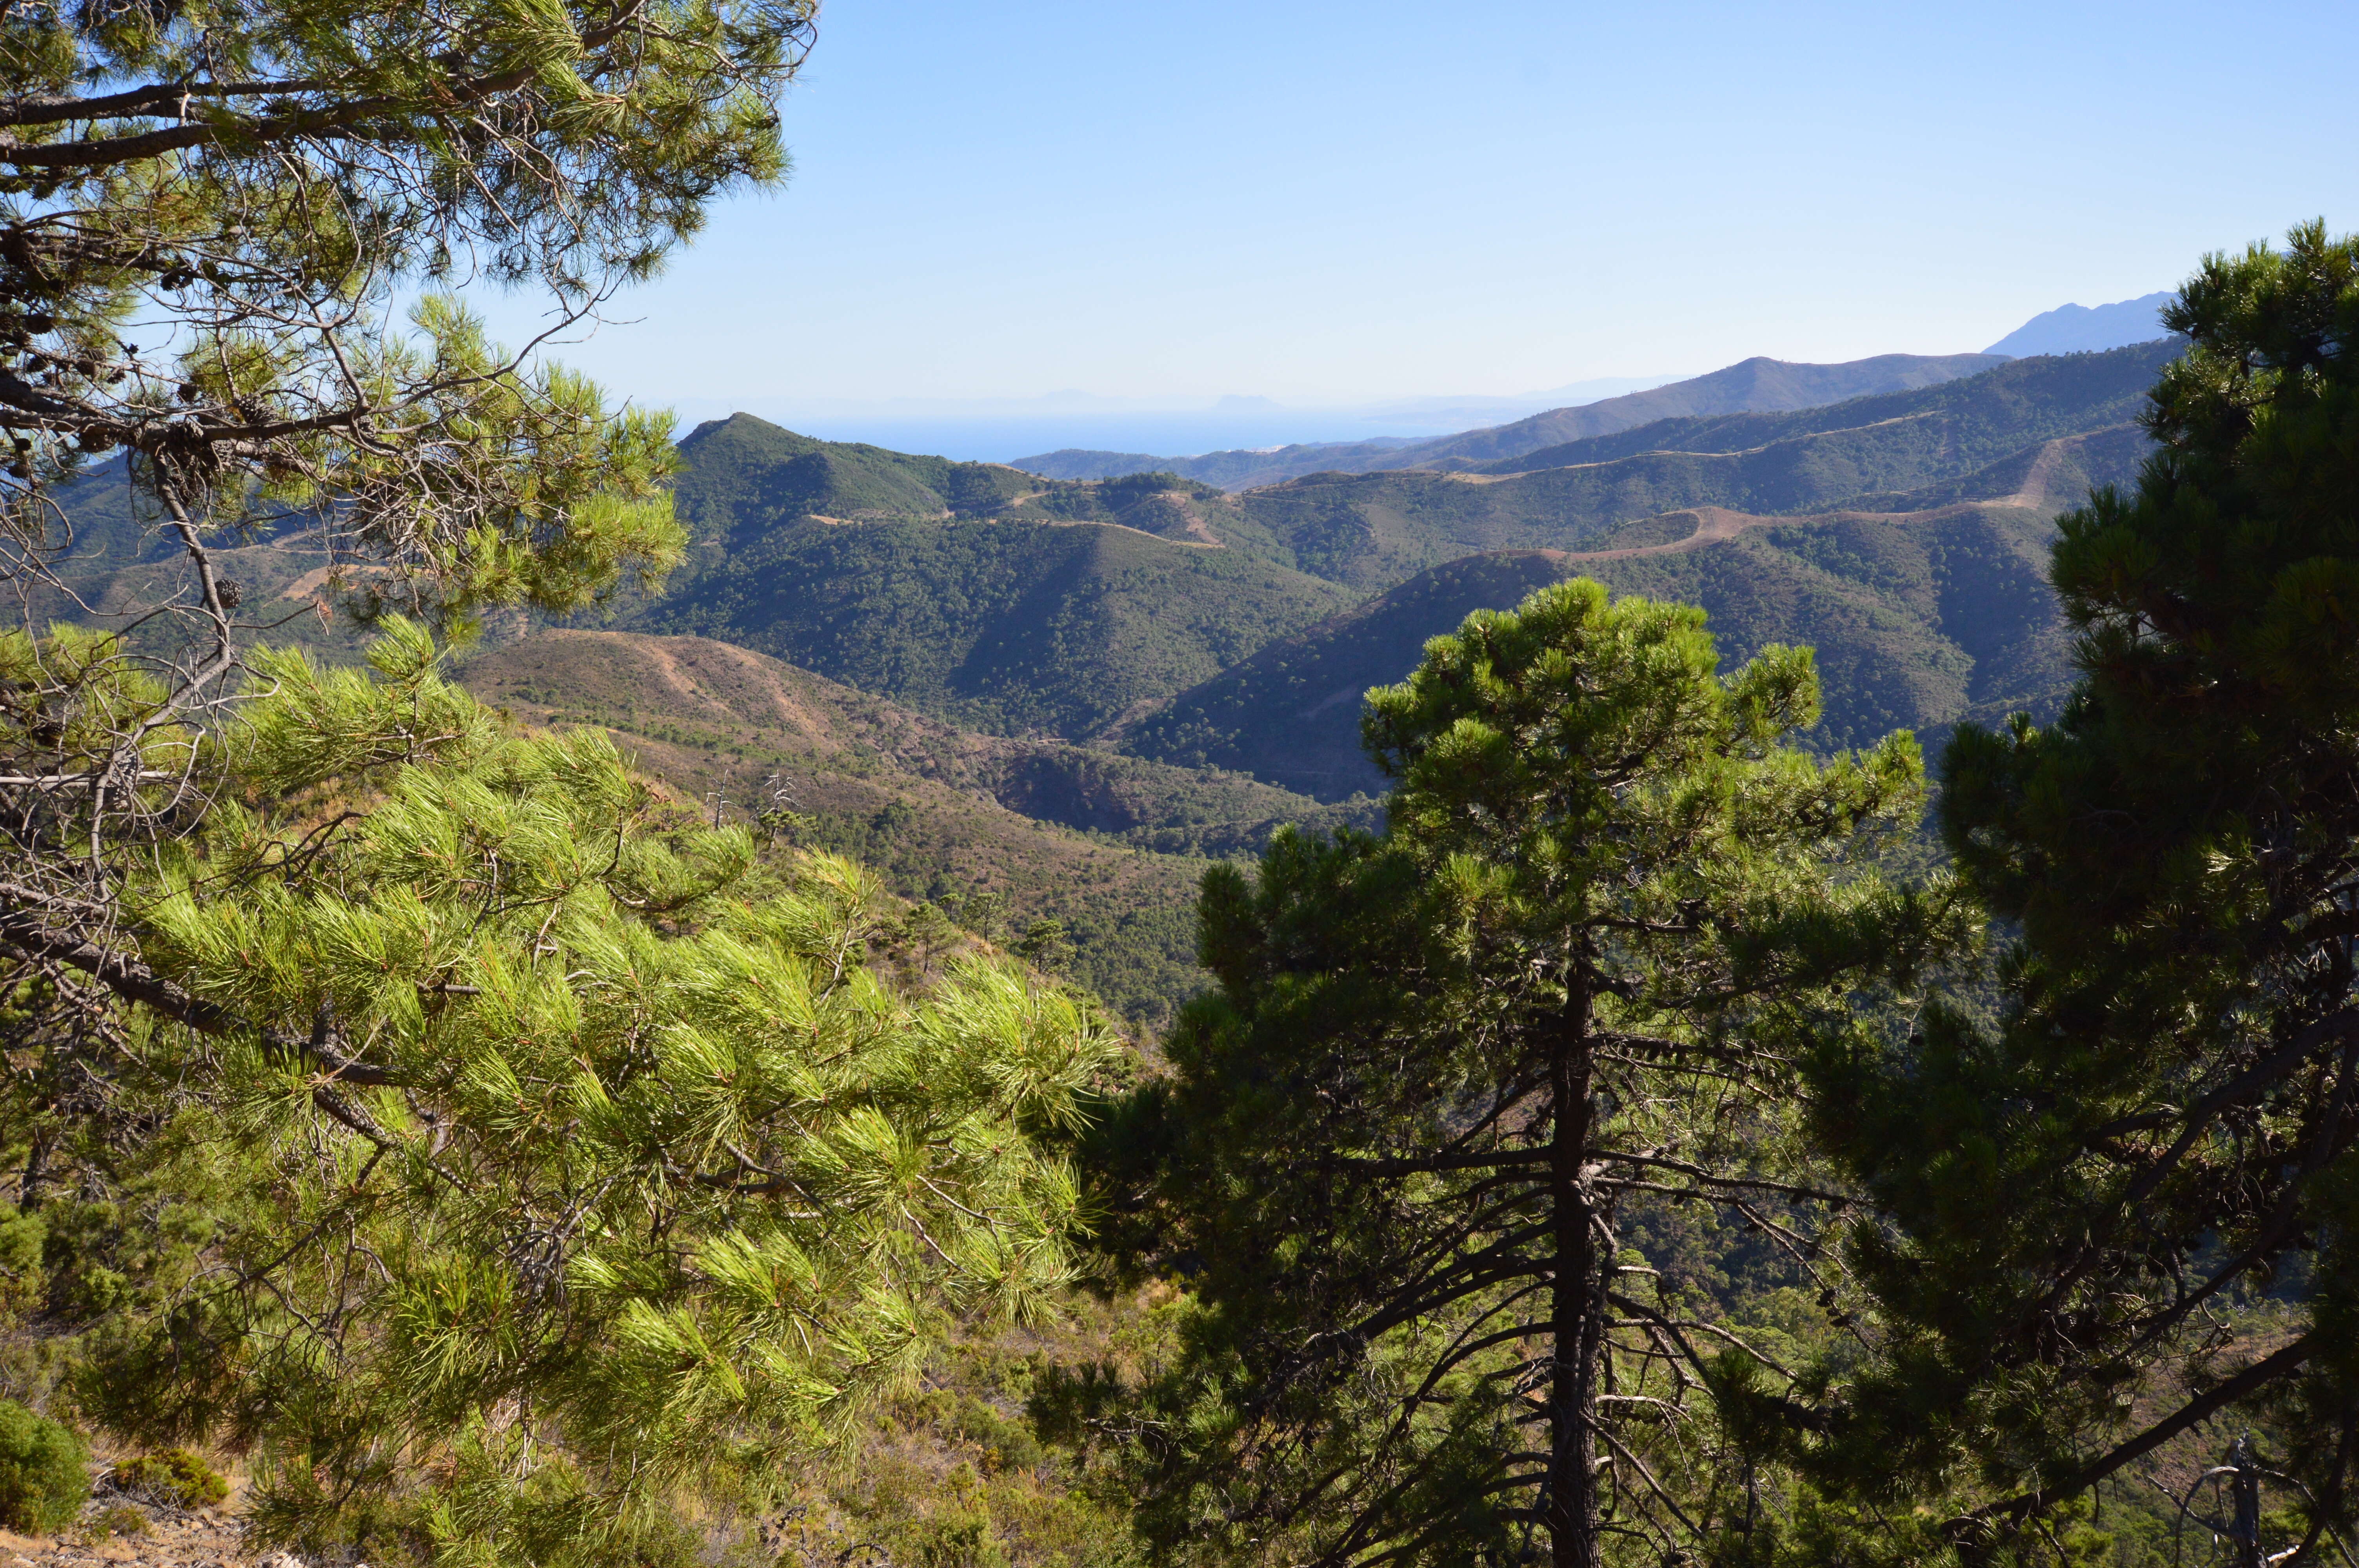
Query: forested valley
pixel 1757 974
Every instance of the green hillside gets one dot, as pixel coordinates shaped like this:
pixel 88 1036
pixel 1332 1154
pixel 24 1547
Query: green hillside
pixel 1003 626
pixel 1917 620
pixel 2057 474
pixel 1008 602
pixel 742 477
pixel 1973 438
pixel 742 472
pixel 1111 846
pixel 648 684
pixel 1292 711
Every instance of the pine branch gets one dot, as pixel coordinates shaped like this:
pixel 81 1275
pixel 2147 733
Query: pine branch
pixel 27 923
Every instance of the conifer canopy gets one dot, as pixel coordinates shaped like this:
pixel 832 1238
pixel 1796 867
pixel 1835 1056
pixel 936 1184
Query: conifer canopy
pixel 557 1161
pixel 1445 1065
pixel 2089 1196
pixel 232 243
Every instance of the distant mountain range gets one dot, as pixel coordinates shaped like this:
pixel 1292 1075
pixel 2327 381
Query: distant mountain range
pixel 1007 603
pixel 1753 384
pixel 961 666
pixel 2083 329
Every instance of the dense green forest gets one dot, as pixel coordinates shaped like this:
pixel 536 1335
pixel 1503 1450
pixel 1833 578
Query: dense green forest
pixel 1918 620
pixel 1758 979
pixel 1007 626
pixel 863 566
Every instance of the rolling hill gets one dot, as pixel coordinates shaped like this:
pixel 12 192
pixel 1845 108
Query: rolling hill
pixel 1112 845
pixel 1004 601
pixel 1919 618
pixel 1973 438
pixel 743 473
pixel 1003 626
pixel 1751 384
pixel 742 477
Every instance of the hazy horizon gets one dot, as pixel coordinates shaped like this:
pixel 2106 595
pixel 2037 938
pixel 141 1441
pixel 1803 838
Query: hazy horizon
pixel 1002 429
pixel 1070 418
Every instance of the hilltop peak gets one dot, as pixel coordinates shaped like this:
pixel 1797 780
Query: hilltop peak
pixel 2084 329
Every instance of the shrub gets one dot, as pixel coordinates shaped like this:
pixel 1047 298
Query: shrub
pixel 44 1477
pixel 120 1519
pixel 960 1537
pixel 175 1478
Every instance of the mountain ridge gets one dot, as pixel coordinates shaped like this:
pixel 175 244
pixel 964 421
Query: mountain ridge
pixel 1918 618
pixel 1887 453
pixel 992 597
pixel 1759 384
pixel 2076 328
pixel 1111 846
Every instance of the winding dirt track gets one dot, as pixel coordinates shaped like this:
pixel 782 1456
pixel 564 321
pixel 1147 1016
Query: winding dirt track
pixel 1714 524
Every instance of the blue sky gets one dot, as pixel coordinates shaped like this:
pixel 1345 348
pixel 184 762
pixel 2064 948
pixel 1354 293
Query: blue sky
pixel 1331 204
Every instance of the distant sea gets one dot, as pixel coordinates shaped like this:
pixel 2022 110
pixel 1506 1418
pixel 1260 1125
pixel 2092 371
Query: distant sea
pixel 999 441
pixel 985 434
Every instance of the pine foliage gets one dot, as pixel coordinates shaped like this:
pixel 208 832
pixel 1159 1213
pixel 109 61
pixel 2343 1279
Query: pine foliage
pixel 1446 1066
pixel 575 1165
pixel 2123 1206
pixel 44 1470
pixel 212 220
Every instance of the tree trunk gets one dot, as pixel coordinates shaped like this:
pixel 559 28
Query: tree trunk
pixel 37 1173
pixel 1576 1325
pixel 2244 1527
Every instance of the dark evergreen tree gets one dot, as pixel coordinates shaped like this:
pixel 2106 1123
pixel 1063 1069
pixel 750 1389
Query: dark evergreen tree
pixel 2156 1130
pixel 1395 1148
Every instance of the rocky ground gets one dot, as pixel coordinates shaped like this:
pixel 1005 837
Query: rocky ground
pixel 208 1540
pixel 115 1530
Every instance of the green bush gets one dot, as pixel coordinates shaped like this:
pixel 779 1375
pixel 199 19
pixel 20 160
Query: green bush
pixel 176 1478
pixel 120 1520
pixel 960 1537
pixel 44 1477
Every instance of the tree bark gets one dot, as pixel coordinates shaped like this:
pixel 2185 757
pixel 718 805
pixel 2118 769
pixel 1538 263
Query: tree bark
pixel 2244 1535
pixel 1576 1302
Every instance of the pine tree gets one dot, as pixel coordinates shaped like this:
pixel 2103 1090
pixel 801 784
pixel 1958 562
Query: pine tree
pixel 1397 1148
pixel 2085 1194
pixel 210 215
pixel 561 1163
pixel 495 1156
